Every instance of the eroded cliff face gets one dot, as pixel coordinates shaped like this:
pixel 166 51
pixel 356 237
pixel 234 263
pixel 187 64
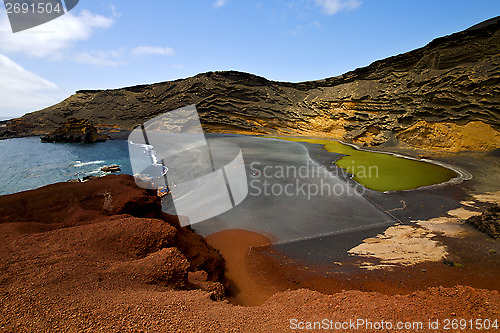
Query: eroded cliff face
pixel 413 97
pixel 474 135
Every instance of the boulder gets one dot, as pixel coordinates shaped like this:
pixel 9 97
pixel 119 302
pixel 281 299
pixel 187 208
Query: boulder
pixel 87 178
pixel 488 222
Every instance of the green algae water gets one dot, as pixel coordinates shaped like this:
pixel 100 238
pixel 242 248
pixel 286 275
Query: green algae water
pixel 383 172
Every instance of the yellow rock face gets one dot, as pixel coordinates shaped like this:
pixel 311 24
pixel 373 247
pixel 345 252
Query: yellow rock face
pixel 475 135
pixel 324 126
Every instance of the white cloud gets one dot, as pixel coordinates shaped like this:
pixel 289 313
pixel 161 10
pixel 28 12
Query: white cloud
pixel 21 90
pixel 219 3
pixel 331 7
pixel 49 39
pixel 153 50
pixel 116 13
pixel 100 58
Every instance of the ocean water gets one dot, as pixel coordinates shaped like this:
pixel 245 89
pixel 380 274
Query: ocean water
pixel 27 163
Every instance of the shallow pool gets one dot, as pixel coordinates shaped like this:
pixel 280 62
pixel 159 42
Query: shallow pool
pixel 383 172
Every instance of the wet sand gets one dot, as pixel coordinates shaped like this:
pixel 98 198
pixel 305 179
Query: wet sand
pixel 257 271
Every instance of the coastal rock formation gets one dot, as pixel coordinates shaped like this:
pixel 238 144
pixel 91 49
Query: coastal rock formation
pixel 106 229
pixel 448 84
pixel 111 168
pixel 488 222
pixel 75 130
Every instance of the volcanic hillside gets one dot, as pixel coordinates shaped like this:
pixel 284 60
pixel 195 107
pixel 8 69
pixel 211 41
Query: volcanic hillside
pixel 445 95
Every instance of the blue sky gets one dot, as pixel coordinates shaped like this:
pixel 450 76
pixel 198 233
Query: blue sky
pixel 112 44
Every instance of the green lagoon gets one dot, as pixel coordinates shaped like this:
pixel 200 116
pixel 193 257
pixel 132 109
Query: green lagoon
pixel 383 172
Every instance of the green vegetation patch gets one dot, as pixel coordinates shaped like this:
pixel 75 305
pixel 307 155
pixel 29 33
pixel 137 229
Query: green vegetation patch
pixel 383 172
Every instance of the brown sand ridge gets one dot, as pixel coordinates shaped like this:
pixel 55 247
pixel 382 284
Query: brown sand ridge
pixel 100 256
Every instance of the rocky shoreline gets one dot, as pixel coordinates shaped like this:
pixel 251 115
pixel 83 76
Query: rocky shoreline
pixel 75 131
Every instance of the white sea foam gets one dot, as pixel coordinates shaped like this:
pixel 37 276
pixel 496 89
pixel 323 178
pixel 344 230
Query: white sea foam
pixel 148 150
pixel 79 164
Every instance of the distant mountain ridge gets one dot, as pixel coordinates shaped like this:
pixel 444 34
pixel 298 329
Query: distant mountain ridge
pixel 444 95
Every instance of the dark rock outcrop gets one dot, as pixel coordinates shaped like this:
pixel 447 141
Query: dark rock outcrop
pixel 75 130
pixel 447 91
pixel 488 222
pixel 111 168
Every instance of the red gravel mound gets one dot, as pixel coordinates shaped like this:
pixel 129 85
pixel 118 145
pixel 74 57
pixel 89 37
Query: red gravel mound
pixel 106 228
pixel 71 204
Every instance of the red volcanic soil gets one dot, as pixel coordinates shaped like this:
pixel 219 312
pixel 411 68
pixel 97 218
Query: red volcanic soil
pixel 101 256
pixel 244 286
pixel 141 227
